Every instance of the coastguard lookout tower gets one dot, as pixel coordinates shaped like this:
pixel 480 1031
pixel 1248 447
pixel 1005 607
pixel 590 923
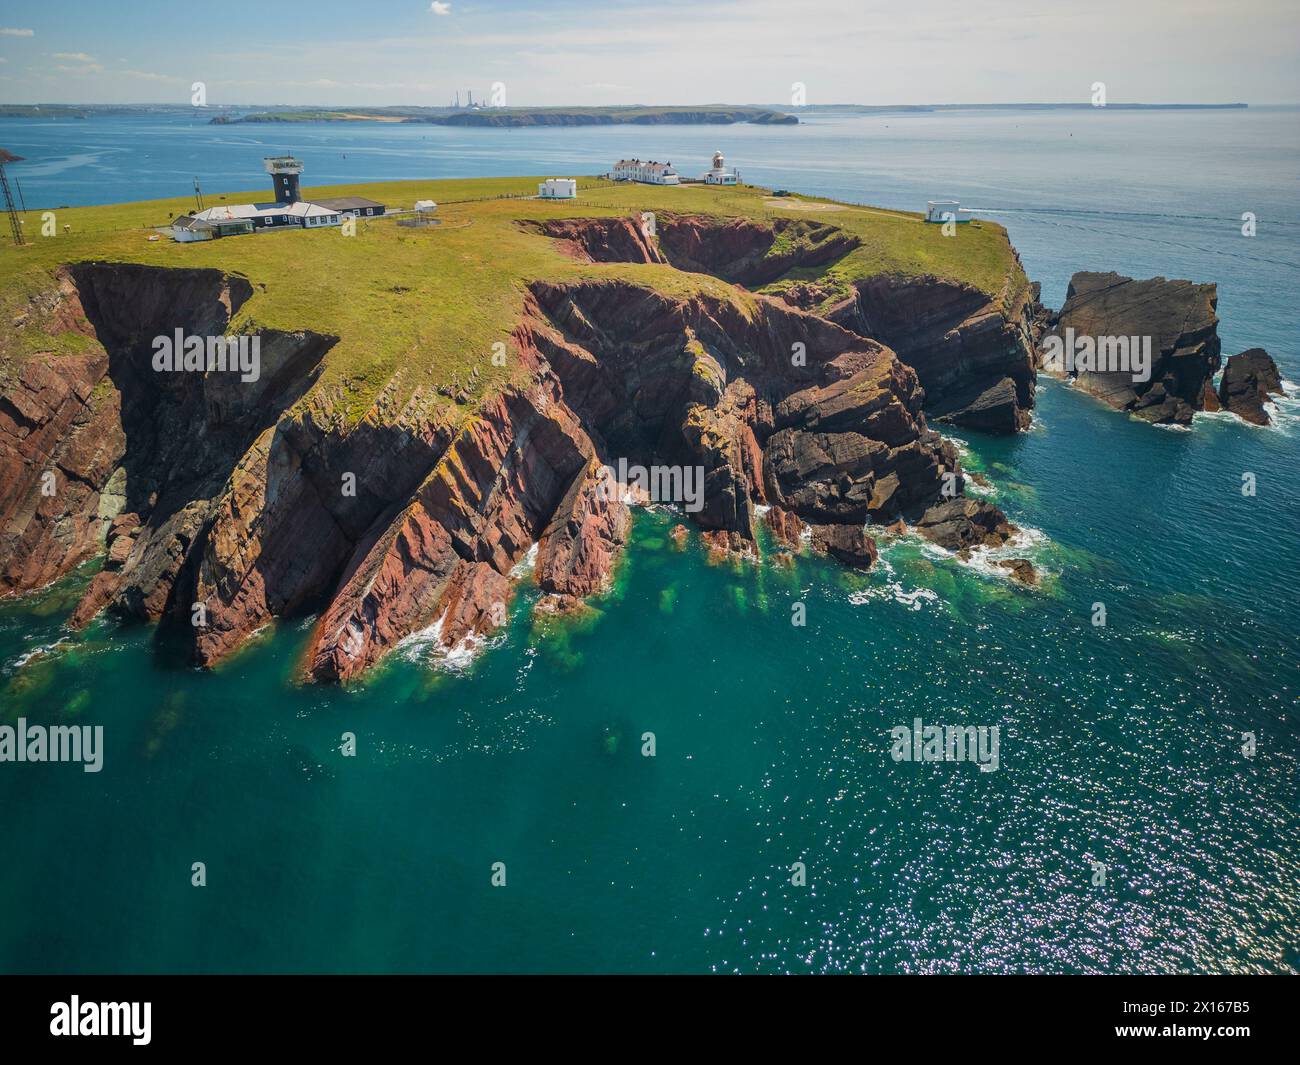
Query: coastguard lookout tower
pixel 284 171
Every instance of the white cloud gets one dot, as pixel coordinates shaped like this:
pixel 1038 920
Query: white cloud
pixel 74 57
pixel 6 32
pixel 147 76
pixel 743 51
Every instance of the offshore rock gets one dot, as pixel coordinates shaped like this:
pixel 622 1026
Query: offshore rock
pixel 1248 380
pixel 960 524
pixel 1180 319
pixel 849 544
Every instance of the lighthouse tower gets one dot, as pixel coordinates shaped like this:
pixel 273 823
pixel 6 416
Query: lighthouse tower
pixel 718 161
pixel 284 171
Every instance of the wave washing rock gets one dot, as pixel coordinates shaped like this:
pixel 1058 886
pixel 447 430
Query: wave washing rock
pixel 221 509
pixel 1180 320
pixel 1248 380
pixel 960 524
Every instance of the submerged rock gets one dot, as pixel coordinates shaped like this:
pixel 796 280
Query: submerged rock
pixel 1248 380
pixel 1021 569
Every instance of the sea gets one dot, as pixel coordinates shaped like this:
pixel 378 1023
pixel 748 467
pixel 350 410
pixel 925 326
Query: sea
pixel 687 781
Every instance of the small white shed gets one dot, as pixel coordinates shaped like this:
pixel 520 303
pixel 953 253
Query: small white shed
pixel 558 189
pixel 945 211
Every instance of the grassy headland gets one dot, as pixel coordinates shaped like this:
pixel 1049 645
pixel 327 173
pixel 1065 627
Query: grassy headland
pixel 426 305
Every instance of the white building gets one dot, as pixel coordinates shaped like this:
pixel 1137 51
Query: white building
pixel 558 189
pixel 646 172
pixel 187 229
pixel 266 215
pixel 945 211
pixel 720 175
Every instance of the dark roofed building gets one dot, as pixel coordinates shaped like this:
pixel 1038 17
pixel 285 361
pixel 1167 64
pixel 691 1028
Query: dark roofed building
pixel 354 205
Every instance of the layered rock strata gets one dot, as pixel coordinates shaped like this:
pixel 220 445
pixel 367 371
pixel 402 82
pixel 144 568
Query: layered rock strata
pixel 221 505
pixel 1112 315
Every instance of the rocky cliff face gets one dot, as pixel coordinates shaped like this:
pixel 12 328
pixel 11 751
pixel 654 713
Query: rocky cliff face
pixel 600 240
pixel 746 252
pixel 223 505
pixel 973 358
pixel 1177 318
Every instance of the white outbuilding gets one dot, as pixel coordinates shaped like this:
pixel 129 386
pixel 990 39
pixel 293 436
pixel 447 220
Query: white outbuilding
pixel 945 211
pixel 558 189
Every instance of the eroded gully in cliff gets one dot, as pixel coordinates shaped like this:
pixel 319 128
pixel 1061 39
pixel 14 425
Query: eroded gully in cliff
pixel 223 496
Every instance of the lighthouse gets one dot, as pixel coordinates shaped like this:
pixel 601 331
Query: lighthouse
pixel 720 175
pixel 284 171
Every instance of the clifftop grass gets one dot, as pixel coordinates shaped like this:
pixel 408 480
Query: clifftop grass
pixel 428 303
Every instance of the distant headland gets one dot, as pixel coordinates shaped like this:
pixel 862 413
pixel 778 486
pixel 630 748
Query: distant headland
pixel 707 114
pixel 514 117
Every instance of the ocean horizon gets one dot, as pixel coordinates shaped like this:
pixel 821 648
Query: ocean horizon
pixel 1120 747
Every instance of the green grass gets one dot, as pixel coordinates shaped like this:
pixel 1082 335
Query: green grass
pixel 428 304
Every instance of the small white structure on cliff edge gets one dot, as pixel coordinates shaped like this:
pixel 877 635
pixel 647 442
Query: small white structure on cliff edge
pixel 720 175
pixel 945 211
pixel 558 189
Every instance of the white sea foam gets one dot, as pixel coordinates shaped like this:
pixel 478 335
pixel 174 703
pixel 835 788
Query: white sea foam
pixel 1284 410
pixel 893 590
pixel 525 565
pixel 37 652
pixel 914 599
pixel 1027 542
pixel 426 646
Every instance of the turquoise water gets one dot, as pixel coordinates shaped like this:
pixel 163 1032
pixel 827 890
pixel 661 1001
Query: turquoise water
pixel 1119 745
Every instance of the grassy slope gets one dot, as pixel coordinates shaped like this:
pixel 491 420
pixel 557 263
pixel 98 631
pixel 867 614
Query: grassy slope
pixel 430 302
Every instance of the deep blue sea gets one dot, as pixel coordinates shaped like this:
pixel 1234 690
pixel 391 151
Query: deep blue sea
pixel 1121 746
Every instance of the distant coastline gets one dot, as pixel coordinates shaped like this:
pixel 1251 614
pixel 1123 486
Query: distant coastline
pixel 524 117
pixel 506 117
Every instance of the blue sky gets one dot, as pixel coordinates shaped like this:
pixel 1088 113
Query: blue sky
pixel 612 51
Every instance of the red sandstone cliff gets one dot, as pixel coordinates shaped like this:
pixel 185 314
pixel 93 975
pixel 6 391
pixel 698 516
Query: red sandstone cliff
pixel 223 507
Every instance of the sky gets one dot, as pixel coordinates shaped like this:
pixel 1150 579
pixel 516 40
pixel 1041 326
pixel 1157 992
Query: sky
pixel 596 52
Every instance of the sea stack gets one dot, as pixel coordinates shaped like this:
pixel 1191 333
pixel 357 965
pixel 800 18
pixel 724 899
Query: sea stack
pixel 1248 380
pixel 1180 320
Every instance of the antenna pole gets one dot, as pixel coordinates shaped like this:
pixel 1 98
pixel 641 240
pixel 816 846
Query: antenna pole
pixel 14 225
